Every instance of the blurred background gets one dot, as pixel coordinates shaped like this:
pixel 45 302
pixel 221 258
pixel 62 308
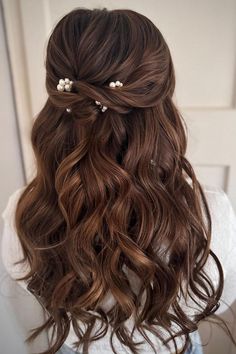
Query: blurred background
pixel 202 39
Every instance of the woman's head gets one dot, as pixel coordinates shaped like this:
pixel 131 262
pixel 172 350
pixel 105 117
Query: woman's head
pixel 94 47
pixel 113 189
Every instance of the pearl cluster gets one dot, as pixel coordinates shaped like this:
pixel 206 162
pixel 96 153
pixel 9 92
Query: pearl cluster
pixel 153 162
pixel 64 85
pixel 111 84
pixel 103 108
pixel 114 84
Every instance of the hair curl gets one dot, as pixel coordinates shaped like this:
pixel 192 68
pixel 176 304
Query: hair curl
pixel 97 205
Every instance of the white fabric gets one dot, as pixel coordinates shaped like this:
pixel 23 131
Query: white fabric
pixel 223 244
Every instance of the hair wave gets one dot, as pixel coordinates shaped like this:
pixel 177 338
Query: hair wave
pixel 114 190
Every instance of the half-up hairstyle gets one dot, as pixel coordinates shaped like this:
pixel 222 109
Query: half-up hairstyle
pixel 113 190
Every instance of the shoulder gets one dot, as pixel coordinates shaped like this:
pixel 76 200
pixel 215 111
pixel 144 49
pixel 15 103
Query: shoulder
pixel 11 250
pixel 223 240
pixel 11 204
pixel 220 207
pixel 214 193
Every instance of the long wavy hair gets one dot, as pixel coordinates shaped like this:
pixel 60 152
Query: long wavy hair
pixel 113 190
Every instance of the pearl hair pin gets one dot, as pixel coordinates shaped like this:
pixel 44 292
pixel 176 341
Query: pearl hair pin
pixel 103 108
pixel 153 162
pixel 112 85
pixel 115 84
pixel 64 85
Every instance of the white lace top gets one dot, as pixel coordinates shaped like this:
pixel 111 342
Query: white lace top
pixel 223 244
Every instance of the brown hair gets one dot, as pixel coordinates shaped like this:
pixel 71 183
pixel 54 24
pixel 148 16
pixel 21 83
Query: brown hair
pixel 114 189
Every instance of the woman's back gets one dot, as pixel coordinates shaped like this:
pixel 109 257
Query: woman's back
pixel 114 191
